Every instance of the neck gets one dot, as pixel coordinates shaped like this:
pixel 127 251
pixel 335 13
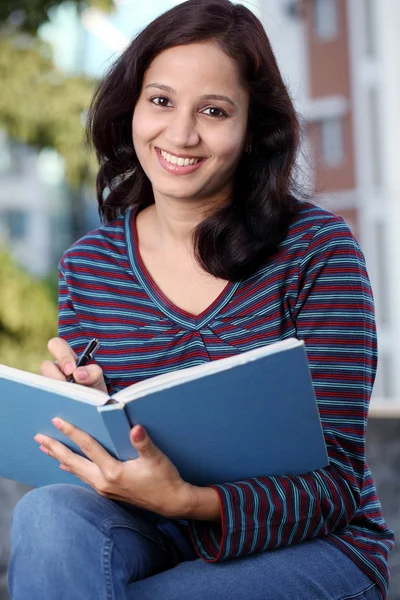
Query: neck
pixel 175 221
pixel 174 224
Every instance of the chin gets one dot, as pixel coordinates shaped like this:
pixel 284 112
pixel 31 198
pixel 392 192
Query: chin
pixel 178 194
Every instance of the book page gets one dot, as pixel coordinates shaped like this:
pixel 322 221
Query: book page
pixel 76 392
pixel 172 378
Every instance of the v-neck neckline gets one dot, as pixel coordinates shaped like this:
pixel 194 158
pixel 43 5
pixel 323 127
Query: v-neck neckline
pixel 180 316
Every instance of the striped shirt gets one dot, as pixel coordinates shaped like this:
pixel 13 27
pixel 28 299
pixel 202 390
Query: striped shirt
pixel 314 287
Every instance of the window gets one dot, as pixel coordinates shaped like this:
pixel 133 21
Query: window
pixel 15 224
pixel 13 156
pixel 332 143
pixel 384 377
pixel 325 19
pixel 375 138
pixel 5 157
pixel 370 28
pixel 382 273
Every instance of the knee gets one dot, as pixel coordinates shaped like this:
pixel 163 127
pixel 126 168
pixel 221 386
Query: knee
pixel 44 515
pixel 52 542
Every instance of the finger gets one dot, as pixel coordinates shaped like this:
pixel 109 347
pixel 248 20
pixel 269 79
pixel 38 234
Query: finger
pixel 141 440
pixel 55 449
pixel 73 463
pixel 64 355
pixel 91 375
pixel 109 466
pixel 50 369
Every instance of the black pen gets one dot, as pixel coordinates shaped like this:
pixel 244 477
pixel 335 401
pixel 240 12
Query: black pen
pixel 86 355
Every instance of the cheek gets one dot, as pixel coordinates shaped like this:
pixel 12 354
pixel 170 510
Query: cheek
pixel 230 146
pixel 138 130
pixel 143 126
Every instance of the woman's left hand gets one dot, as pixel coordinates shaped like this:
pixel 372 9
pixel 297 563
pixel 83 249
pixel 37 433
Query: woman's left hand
pixel 150 481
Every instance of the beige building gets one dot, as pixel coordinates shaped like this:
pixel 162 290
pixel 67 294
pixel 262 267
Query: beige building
pixel 339 57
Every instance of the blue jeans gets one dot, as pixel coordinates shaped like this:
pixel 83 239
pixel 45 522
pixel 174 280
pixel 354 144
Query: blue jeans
pixel 67 542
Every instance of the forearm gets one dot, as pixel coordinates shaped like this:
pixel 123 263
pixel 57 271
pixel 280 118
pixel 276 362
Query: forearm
pixel 198 504
pixel 206 505
pixel 267 513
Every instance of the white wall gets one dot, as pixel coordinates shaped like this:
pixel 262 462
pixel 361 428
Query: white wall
pixel 286 35
pixel 377 75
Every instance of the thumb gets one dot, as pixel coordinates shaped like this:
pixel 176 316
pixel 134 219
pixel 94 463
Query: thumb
pixel 91 376
pixel 142 442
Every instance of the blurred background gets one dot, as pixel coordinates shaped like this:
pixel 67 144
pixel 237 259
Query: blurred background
pixel 340 59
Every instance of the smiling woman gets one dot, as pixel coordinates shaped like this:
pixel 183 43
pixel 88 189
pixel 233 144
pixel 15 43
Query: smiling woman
pixel 231 99
pixel 206 252
pixel 185 125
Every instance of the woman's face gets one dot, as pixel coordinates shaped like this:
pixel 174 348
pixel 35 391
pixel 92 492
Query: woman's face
pixel 189 125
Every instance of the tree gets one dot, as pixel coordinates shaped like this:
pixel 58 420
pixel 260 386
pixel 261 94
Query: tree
pixel 30 14
pixel 42 107
pixel 28 317
pixel 39 105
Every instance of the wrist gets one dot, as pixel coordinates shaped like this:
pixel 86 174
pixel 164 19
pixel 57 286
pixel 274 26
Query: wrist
pixel 201 504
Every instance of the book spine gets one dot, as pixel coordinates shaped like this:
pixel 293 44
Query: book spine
pixel 118 425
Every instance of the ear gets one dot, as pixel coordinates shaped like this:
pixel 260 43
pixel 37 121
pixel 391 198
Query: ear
pixel 249 143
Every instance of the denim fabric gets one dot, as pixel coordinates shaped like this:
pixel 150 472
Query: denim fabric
pixel 69 543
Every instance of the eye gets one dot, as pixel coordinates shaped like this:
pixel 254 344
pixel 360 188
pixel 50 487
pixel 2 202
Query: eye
pixel 215 112
pixel 160 101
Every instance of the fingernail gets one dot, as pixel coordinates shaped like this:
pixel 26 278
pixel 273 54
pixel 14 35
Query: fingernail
pixel 63 468
pixel 43 449
pixel 38 438
pixel 139 434
pixel 68 368
pixel 81 374
pixel 57 422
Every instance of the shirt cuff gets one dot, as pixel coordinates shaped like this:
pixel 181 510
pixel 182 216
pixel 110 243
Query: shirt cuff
pixel 221 541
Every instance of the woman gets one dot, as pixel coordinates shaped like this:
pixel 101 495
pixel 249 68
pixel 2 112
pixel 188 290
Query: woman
pixel 206 252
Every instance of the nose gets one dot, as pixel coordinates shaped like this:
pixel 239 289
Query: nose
pixel 182 130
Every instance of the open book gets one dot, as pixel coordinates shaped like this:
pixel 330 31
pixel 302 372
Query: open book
pixel 247 415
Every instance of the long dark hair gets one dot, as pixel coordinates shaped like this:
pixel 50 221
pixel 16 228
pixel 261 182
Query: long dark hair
pixel 234 241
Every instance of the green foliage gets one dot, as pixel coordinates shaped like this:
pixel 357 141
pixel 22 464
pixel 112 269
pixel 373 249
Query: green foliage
pixel 30 14
pixel 28 317
pixel 38 104
pixel 42 107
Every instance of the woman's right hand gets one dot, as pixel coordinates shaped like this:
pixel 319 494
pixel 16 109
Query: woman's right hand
pixel 65 365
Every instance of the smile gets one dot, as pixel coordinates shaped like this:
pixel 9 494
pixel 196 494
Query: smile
pixel 178 160
pixel 179 165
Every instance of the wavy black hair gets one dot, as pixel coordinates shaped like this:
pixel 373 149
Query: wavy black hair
pixel 235 240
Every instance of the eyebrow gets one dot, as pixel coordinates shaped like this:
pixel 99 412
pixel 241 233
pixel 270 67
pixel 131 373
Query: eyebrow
pixel 170 90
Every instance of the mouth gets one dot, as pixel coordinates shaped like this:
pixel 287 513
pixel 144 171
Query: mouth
pixel 182 164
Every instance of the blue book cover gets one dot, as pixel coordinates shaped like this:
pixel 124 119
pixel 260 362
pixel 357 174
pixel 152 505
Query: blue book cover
pixel 249 415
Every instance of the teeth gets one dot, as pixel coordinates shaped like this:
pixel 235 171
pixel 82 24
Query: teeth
pixel 181 162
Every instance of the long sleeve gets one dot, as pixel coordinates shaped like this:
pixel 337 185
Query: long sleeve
pixel 331 308
pixel 69 325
